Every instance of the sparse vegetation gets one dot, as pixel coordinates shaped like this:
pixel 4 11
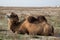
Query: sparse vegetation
pixel 52 15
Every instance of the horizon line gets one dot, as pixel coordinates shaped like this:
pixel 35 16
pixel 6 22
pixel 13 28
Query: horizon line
pixel 29 6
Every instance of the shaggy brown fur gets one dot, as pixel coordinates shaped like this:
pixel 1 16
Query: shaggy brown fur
pixel 32 19
pixel 40 28
pixel 13 22
pixel 30 26
pixel 41 18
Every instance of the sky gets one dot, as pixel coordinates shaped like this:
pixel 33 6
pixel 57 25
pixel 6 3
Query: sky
pixel 29 3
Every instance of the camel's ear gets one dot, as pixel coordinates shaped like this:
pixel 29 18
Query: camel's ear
pixel 42 18
pixel 31 19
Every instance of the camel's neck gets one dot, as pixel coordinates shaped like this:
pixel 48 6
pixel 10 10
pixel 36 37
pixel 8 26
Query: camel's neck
pixel 9 24
pixel 14 24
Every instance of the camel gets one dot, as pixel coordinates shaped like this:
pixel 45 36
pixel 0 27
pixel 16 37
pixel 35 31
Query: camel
pixel 30 25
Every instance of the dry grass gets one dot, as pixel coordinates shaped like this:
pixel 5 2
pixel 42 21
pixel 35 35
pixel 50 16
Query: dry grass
pixel 52 15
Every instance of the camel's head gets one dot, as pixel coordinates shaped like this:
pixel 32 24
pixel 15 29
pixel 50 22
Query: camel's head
pixel 13 17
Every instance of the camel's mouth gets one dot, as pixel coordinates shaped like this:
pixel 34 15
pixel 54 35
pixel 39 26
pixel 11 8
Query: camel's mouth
pixel 8 16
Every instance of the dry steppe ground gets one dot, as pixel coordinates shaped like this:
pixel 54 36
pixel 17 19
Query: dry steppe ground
pixel 51 13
